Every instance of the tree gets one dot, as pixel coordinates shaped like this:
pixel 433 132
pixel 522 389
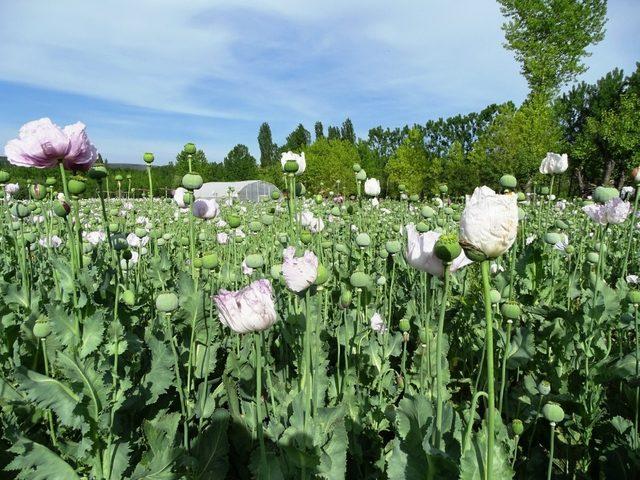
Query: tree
pixel 319 129
pixel 268 150
pixel 411 166
pixel 333 133
pixel 550 38
pixel 516 142
pixel 297 140
pixel 327 162
pixel 240 165
pixel 347 132
pixel 199 164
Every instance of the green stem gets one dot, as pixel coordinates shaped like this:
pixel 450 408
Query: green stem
pixel 439 388
pixel 503 375
pixel 553 435
pixel 490 380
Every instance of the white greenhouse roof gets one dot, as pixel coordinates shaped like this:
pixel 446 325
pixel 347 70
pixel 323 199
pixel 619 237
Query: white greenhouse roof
pixel 250 190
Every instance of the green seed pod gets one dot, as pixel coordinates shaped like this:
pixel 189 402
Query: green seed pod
pixel 422 227
pixel 32 207
pixel 318 199
pixel 443 188
pixel 345 298
pixel 508 182
pixel 393 246
pixel 553 412
pixel 76 185
pixel 4 176
pixel 37 191
pixel 140 232
pixel 544 191
pixel 161 242
pixel 255 226
pixel 322 275
pixel 427 212
pixel 601 247
pixel 119 243
pixel 290 166
pixel 382 253
pixel 456 217
pixel 114 227
pixel 118 178
pixel 363 240
pixel 422 334
pixel 275 195
pixel 381 281
pixel 342 248
pixel 335 211
pixel 448 211
pixel 361 175
pixel 166 302
pixel 495 296
pixel 604 194
pixel 517 426
pixel 87 248
pixel 192 181
pixel 521 197
pixel 126 254
pixel 326 244
pixel 197 262
pixel 266 219
pixel 569 249
pixel 254 260
pixel 551 238
pixel 283 238
pixel 42 328
pixel 184 241
pixel 561 225
pixel 402 187
pixel 360 280
pixel 49 182
pixel 20 210
pixel 544 388
pixel 148 158
pixel 276 271
pixel 305 237
pixel 447 248
pixel 356 167
pixel 233 220
pixel 189 148
pixel 128 298
pixel 404 325
pixel 414 198
pixel 97 172
pixel 511 310
pixel 210 261
pixel 634 297
pixel 593 257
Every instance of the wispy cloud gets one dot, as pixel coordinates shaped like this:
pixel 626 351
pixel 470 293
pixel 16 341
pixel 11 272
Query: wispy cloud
pixel 162 72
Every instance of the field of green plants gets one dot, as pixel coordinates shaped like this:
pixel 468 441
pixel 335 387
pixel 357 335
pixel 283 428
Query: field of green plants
pixel 493 336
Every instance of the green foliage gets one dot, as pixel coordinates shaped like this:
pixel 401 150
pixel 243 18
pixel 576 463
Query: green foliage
pixel 239 164
pixel 516 142
pixel 550 38
pixel 268 149
pixel 297 140
pixel 347 132
pixel 327 162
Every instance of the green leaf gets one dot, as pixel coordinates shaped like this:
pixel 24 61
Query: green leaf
pixel 92 331
pixel 473 461
pixel 115 460
pixel 211 447
pixel 47 392
pixel 161 375
pixel 63 326
pixel 92 384
pixel 36 462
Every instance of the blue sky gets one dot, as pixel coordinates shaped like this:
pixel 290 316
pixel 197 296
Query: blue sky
pixel 150 75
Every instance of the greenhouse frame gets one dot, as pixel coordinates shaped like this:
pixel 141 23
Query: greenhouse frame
pixel 249 190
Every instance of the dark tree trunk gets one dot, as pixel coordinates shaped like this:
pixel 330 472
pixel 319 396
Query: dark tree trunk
pixel 580 180
pixel 607 172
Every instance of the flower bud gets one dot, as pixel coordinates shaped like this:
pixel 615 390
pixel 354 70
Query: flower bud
pixel 517 426
pixel 553 412
pixel 356 167
pixel 345 298
pixel 508 182
pixel 593 257
pixel 447 248
pixel 404 324
pixel 4 176
pixel 322 275
pixel 38 191
pixel 494 296
pixel 305 237
pixel 360 280
pixel 192 181
pixel 361 175
pixel 544 388
pixel 275 195
pixel 166 302
pixel 128 298
pixel 551 238
pixel 233 220
pixel 363 240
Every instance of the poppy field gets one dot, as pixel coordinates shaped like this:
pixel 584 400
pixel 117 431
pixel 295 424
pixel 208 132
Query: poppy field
pixel 313 336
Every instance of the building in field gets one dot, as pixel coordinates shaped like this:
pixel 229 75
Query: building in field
pixel 248 190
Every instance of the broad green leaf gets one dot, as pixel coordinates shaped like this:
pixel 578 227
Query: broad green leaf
pixel 34 461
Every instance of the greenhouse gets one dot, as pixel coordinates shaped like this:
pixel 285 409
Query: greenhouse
pixel 249 190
